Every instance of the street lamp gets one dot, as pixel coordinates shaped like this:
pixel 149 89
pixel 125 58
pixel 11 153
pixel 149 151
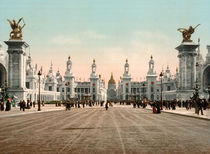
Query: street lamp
pixel 143 91
pixel 39 103
pixel 161 89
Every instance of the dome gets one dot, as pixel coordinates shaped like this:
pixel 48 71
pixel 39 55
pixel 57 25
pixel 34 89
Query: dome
pixel 111 80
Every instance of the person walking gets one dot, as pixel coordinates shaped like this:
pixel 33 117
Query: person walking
pixel 106 106
pixel 200 106
pixel 34 104
pixel 23 105
pixel 8 106
pixel 2 105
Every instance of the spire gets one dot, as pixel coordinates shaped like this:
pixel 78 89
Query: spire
pixel 151 66
pixel 111 81
pixel 126 68
pixel 69 58
pixel 94 60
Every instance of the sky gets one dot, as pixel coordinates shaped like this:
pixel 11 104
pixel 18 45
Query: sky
pixel 108 30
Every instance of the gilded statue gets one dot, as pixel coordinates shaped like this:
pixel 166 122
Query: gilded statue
pixel 16 33
pixel 186 33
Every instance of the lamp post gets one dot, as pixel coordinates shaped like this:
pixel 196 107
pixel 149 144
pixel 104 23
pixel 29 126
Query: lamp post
pixel 143 91
pixel 161 90
pixel 39 103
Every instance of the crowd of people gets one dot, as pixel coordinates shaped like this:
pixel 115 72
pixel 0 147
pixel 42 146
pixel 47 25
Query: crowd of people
pixel 5 107
pixel 83 103
pixel 199 105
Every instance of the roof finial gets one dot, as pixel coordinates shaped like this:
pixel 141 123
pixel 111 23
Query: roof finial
pixel 69 58
pixel 126 60
pixel 94 60
pixel 151 57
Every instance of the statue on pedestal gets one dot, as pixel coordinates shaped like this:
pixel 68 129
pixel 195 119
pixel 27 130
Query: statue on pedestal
pixel 16 33
pixel 186 33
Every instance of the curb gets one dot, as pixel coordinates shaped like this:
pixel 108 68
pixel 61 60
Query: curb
pixel 25 113
pixel 184 115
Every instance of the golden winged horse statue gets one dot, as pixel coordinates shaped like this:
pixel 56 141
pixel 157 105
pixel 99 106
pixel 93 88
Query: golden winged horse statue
pixel 16 33
pixel 186 33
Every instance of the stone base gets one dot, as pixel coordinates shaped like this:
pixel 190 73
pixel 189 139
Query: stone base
pixel 184 94
pixel 19 94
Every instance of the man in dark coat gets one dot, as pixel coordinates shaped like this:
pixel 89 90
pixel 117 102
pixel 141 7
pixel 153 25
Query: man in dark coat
pixel 106 106
pixel 2 105
pixel 8 106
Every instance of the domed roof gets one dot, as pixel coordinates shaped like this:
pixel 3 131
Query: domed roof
pixel 111 80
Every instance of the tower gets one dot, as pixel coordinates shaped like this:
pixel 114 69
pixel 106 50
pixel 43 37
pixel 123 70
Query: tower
pixel 111 92
pixel 69 80
pixel 151 80
pixel 51 81
pixel 126 79
pixel 94 82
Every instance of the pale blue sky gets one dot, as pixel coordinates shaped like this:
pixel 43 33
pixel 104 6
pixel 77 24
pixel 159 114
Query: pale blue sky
pixel 108 30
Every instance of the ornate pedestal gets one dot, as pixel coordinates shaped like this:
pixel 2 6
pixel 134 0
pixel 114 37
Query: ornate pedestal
pixel 187 70
pixel 16 68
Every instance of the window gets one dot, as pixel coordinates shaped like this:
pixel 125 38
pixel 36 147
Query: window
pixel 86 90
pixel 152 97
pixel 68 89
pixel 57 89
pixel 157 90
pixel 127 90
pixel 134 90
pixel 28 85
pixel 137 90
pixel 62 89
pixel 82 90
pixel 152 89
pixel 94 97
pixel 94 90
pixel 126 97
pixel 78 90
pixel 75 89
pixel 50 88
pixel 168 88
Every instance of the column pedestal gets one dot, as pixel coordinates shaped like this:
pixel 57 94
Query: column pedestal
pixel 17 68
pixel 187 70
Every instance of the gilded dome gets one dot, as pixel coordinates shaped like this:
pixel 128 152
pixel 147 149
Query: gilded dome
pixel 111 80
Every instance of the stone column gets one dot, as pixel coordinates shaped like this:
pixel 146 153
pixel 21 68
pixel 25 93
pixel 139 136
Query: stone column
pixel 17 68
pixel 187 53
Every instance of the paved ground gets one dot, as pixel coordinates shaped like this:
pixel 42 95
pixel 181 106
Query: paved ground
pixel 94 130
pixel 190 112
pixel 15 111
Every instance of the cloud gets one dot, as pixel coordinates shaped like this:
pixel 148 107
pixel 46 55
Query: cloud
pixel 93 35
pixel 61 39
pixel 151 36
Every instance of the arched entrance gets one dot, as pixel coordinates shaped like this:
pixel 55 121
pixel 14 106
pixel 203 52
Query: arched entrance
pixel 206 78
pixel 3 74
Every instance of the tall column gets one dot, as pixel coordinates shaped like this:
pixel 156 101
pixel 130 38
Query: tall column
pixel 17 68
pixel 187 53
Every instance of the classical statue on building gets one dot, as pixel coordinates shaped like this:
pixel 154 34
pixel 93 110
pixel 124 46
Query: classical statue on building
pixel 16 33
pixel 186 33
